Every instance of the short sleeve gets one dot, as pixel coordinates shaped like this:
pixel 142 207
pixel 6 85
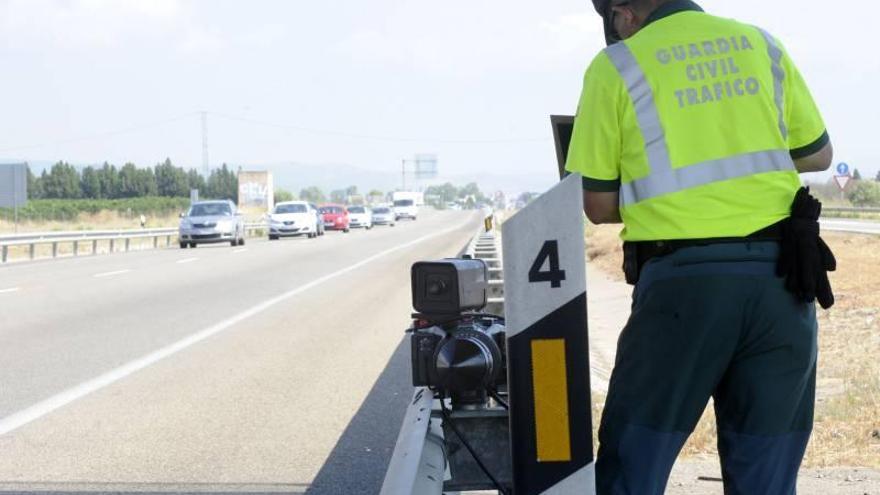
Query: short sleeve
pixel 595 148
pixel 806 129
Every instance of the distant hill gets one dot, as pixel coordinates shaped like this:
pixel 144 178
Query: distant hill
pixel 296 176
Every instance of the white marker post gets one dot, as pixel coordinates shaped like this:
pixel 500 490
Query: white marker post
pixel 547 348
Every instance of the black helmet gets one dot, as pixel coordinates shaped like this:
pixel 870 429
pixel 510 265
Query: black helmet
pixel 603 7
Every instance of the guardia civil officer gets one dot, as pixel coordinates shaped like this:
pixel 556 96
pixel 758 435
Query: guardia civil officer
pixel 691 131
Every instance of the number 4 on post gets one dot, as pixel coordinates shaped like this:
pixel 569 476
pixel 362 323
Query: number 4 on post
pixel 550 250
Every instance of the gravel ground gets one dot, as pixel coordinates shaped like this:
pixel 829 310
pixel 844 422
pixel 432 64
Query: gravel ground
pixel 702 477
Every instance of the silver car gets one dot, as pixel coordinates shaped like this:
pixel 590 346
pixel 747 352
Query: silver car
pixel 211 222
pixel 383 215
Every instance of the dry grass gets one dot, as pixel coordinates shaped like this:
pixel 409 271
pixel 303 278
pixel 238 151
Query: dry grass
pixel 847 430
pixel 105 220
pixel 604 249
pixel 847 426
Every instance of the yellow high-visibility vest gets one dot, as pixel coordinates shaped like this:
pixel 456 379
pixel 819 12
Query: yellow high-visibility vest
pixel 696 121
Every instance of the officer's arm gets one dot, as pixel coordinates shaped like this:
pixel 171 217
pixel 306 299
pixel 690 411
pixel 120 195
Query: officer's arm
pixel 808 140
pixel 817 162
pixel 602 207
pixel 595 149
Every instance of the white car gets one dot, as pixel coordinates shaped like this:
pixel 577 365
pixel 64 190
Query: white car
pixel 405 208
pixel 360 216
pixel 293 218
pixel 383 215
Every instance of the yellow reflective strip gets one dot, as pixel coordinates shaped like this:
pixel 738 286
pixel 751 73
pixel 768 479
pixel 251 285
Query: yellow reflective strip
pixel 551 400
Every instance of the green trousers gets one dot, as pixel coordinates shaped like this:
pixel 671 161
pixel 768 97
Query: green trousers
pixel 711 321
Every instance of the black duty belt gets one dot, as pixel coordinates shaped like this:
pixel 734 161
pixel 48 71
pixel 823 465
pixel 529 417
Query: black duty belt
pixel 637 254
pixel 804 258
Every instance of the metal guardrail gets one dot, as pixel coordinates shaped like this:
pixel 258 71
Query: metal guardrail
pixel 77 238
pixel 849 210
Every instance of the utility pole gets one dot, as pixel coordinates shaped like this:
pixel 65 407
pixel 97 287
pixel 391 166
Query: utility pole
pixel 403 172
pixel 15 197
pixel 206 167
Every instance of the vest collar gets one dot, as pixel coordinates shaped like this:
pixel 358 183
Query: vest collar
pixel 671 8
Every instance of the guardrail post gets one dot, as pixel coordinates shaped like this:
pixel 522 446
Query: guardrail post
pixel 548 368
pixel 155 242
pixel 31 250
pixel 127 244
pixel 54 249
pixel 75 248
pixel 94 247
pixel 112 245
pixel 5 254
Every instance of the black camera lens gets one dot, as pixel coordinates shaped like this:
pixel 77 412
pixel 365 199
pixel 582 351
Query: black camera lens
pixel 448 287
pixel 436 287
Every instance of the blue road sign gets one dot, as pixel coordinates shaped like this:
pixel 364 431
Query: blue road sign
pixel 842 169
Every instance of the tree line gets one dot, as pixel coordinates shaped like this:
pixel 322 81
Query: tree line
pixel 468 195
pixel 104 182
pixel 64 181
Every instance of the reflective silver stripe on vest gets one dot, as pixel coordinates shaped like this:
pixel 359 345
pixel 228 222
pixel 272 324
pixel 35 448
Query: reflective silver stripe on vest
pixel 701 174
pixel 775 53
pixel 643 101
pixel 663 179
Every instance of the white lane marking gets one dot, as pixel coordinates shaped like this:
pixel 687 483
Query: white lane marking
pixel 111 274
pixel 7 291
pixel 187 260
pixel 18 419
pixel 239 250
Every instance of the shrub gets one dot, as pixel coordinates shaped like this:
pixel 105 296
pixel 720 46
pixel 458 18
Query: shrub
pixel 865 193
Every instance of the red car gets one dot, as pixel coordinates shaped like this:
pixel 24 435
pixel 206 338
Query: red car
pixel 335 217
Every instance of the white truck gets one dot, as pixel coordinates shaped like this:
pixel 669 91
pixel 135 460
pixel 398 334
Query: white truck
pixel 406 204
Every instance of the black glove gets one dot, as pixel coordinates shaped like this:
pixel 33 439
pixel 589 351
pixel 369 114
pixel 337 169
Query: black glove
pixel 804 258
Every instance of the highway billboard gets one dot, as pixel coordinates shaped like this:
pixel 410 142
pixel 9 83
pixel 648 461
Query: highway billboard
pixel 256 191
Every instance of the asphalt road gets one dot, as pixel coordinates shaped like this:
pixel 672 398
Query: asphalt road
pixel 854 226
pixel 277 367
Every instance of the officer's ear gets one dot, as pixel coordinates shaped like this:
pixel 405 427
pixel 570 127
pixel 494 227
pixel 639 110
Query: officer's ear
pixel 625 20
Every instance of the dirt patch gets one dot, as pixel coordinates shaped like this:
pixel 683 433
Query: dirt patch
pixel 702 476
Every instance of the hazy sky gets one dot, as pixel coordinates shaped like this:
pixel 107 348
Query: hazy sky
pixel 95 80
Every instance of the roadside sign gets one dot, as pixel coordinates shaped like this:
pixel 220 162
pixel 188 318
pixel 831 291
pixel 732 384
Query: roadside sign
pixel 842 181
pixel 547 347
pixel 842 169
pixel 13 185
pixel 563 127
pixel 426 166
